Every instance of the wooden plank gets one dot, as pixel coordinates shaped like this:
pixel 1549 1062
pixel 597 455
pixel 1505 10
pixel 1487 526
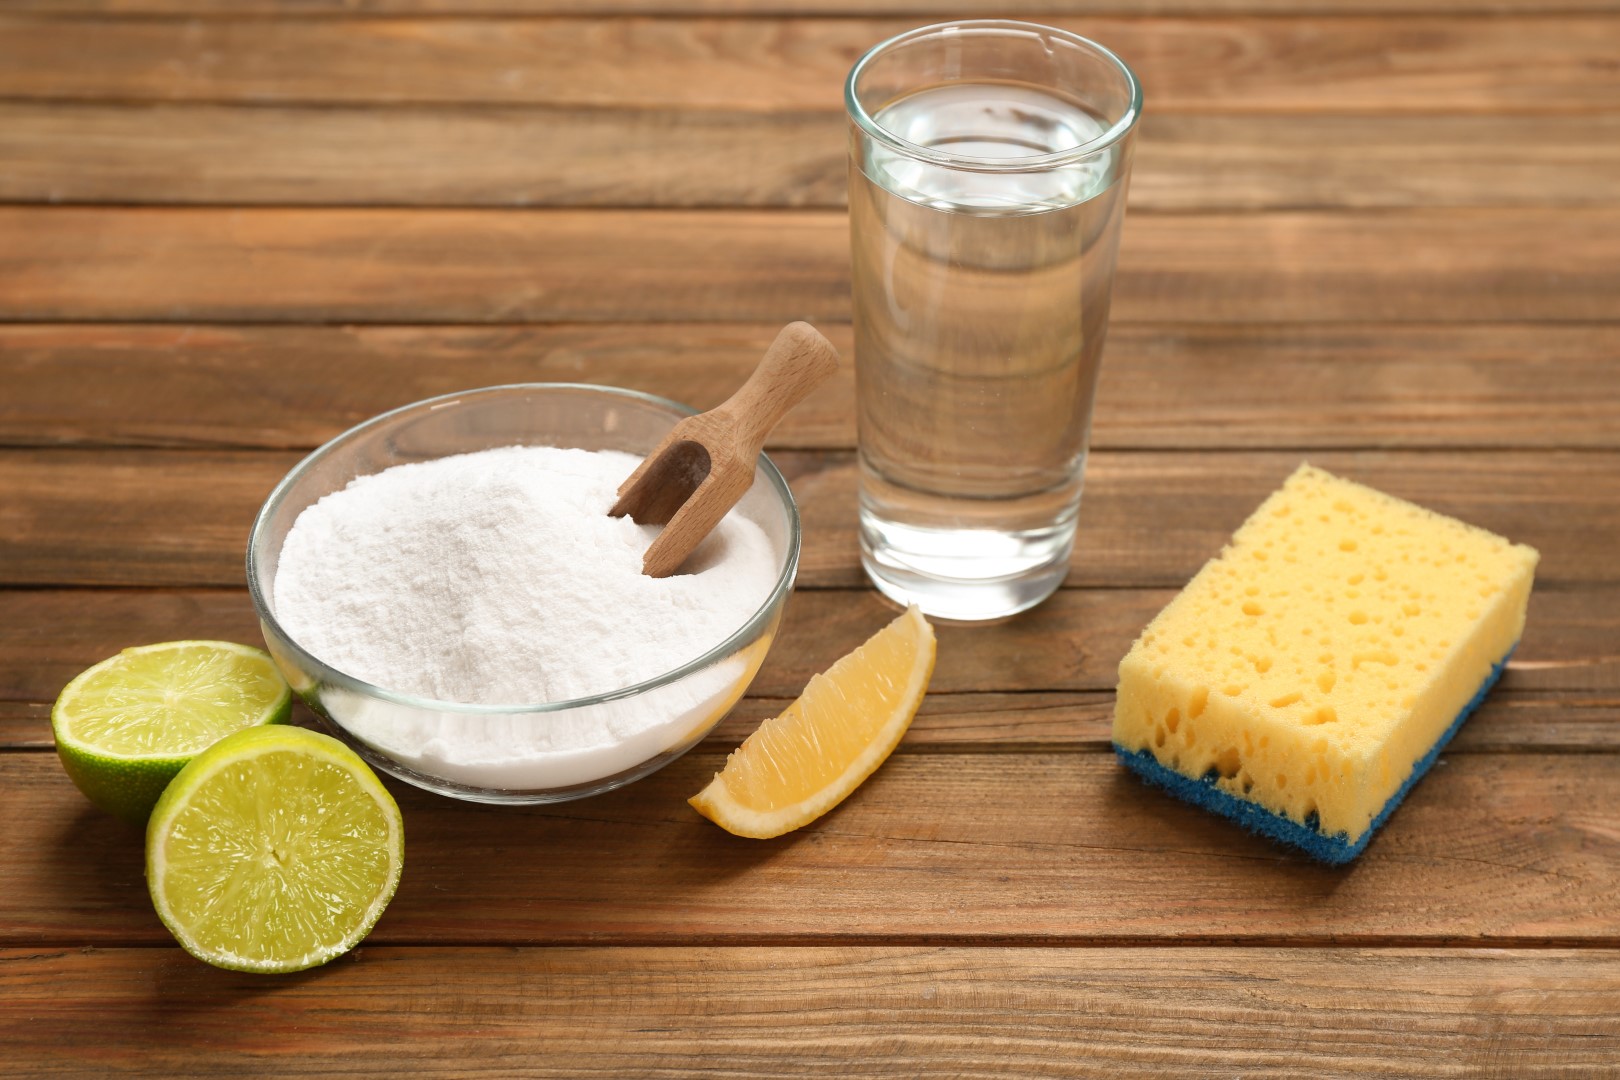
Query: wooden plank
pixel 295 387
pixel 437 156
pixel 1508 722
pixel 1545 60
pixel 1489 848
pixel 288 265
pixel 1204 162
pixel 181 518
pixel 1152 519
pixel 25 725
pixel 1162 387
pixel 191 154
pixel 1388 386
pixel 146 518
pixel 1073 642
pixel 205 265
pixel 895 1011
pixel 773 8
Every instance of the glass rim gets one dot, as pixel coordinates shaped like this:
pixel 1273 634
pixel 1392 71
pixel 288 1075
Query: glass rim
pixel 968 163
pixel 735 642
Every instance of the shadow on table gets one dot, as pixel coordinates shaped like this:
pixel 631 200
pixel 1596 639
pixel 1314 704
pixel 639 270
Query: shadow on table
pixel 93 869
pixel 570 871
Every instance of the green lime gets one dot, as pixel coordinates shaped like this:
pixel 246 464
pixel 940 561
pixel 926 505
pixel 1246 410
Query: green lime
pixel 275 850
pixel 125 727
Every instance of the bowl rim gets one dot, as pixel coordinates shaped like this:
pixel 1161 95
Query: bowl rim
pixel 749 631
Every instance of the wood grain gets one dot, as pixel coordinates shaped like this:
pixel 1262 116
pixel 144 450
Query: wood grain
pixel 1163 387
pixel 324 265
pixel 285 265
pixel 1307 65
pixel 783 8
pixel 1508 722
pixel 295 387
pixel 437 156
pixel 681 1012
pixel 983 848
pixel 1208 162
pixel 1073 642
pixel 181 518
pixel 1153 519
pixel 776 8
pixel 574 156
pixel 1378 233
pixel 25 725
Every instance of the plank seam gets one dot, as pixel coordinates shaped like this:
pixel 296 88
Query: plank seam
pixel 1166 586
pixel 497 106
pixel 869 13
pixel 201 447
pixel 908 941
pixel 608 321
pixel 767 325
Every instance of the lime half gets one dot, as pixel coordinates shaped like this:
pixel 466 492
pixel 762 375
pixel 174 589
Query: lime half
pixel 125 727
pixel 275 850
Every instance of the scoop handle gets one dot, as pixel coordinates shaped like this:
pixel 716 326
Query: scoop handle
pixel 798 361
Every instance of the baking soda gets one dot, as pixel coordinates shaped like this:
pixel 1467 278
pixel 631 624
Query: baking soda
pixel 498 578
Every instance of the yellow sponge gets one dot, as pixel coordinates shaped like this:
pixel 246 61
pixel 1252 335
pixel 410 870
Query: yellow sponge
pixel 1309 675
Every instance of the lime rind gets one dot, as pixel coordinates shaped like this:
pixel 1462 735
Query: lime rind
pixel 251 870
pixel 126 726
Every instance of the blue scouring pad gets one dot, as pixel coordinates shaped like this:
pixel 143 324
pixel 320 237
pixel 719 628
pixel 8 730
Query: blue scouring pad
pixel 1336 849
pixel 1329 849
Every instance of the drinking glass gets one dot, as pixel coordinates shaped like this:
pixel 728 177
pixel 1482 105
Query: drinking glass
pixel 988 166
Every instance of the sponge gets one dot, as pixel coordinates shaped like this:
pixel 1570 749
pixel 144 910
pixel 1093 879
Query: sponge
pixel 1306 678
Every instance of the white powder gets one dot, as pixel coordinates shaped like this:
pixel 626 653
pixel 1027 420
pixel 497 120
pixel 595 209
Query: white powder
pixel 498 578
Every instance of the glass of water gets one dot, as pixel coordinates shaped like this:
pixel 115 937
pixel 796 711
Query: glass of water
pixel 988 167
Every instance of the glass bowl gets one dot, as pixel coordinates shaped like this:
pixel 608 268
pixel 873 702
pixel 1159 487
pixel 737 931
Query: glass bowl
pixel 403 734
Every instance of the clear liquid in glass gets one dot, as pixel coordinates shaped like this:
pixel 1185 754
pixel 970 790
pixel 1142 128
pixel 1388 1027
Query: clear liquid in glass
pixel 981 303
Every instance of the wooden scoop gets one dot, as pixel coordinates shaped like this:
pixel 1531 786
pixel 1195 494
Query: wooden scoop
pixel 706 463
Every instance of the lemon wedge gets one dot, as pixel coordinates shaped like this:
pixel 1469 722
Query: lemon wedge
pixel 801 764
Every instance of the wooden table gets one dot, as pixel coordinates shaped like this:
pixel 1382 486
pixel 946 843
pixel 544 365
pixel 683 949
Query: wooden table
pixel 1382 235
